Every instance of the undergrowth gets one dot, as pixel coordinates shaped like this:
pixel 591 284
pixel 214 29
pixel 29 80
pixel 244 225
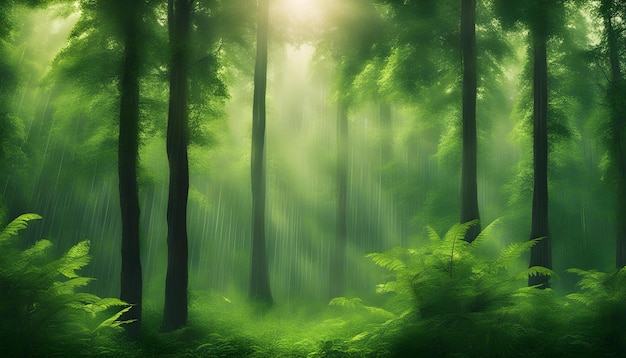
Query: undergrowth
pixel 42 311
pixel 444 299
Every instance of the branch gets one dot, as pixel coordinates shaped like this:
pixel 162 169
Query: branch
pixel 205 58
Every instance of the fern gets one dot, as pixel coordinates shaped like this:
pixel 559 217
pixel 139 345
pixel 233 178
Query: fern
pixel 510 254
pixel 455 292
pixel 20 223
pixel 388 261
pixel 75 259
pixel 346 302
pixel 535 271
pixel 43 312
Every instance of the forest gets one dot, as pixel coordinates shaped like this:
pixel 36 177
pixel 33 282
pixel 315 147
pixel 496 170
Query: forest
pixel 313 178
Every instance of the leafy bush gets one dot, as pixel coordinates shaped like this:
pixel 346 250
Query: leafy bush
pixel 449 300
pixel 601 309
pixel 41 311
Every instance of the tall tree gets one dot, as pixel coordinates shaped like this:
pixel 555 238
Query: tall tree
pixel 616 100
pixel 131 280
pixel 175 310
pixel 338 260
pixel 540 254
pixel 259 275
pixel 469 190
pixel 543 20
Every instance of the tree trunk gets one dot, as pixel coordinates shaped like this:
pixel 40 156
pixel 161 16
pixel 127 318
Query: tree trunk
pixel 131 282
pixel 338 260
pixel 616 98
pixel 259 276
pixel 540 254
pixel 175 310
pixel 469 191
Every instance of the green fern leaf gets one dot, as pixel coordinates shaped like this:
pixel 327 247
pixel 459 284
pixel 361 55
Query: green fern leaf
pixel 113 321
pixel 75 259
pixel 37 250
pixel 581 298
pixel 510 254
pixel 458 231
pixel 346 302
pixel 387 261
pixel 70 286
pixel 486 233
pixel 432 235
pixel 535 271
pixel 379 312
pixel 21 222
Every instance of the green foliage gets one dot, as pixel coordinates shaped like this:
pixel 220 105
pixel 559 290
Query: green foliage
pixel 459 302
pixel 42 311
pixel 602 307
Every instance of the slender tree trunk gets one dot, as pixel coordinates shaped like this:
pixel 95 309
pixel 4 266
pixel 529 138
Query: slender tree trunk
pixel 259 276
pixel 131 282
pixel 175 310
pixel 616 97
pixel 540 254
pixel 338 260
pixel 469 191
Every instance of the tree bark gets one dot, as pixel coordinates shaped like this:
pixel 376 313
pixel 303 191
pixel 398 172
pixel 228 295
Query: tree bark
pixel 469 191
pixel 540 254
pixel 616 98
pixel 131 280
pixel 175 310
pixel 259 276
pixel 338 260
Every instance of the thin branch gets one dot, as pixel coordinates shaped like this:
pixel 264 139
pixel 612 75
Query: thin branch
pixel 214 54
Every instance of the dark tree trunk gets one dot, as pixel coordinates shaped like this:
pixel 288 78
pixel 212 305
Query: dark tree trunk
pixel 175 310
pixel 338 260
pixel 616 98
pixel 131 282
pixel 259 276
pixel 469 191
pixel 540 254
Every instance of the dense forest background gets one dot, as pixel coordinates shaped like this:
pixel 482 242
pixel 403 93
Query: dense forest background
pixel 258 151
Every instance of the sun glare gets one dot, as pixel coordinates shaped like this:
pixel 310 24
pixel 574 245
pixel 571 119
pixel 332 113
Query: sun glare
pixel 299 10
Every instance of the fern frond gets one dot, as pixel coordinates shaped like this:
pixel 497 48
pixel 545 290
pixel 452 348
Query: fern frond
pixel 113 321
pixel 70 286
pixel 387 261
pixel 37 250
pixel 21 222
pixel 535 271
pixel 458 231
pixel 379 312
pixel 582 298
pixel 75 259
pixel 391 286
pixel 432 235
pixel 510 254
pixel 346 302
pixel 486 233
pixel 592 280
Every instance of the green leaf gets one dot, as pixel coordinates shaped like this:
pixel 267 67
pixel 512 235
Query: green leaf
pixel 535 271
pixel 75 259
pixel 346 302
pixel 21 222
pixel 387 261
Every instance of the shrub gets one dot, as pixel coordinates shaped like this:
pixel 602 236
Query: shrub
pixel 42 312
